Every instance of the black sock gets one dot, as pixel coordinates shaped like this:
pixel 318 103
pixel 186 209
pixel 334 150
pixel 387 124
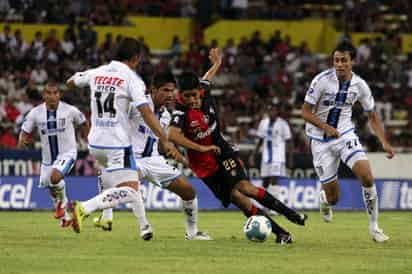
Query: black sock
pixel 276 229
pixel 268 201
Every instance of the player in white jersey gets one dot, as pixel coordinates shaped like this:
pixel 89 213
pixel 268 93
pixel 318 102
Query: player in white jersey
pixel 55 121
pixel 328 111
pixel 113 88
pixel 153 166
pixel 274 132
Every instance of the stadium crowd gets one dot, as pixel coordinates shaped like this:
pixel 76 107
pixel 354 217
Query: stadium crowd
pixel 349 15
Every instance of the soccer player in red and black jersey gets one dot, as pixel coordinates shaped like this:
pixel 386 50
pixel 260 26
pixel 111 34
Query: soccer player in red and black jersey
pixel 195 126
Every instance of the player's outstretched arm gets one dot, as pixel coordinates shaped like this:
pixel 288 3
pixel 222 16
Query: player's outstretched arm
pixel 216 58
pixel 24 140
pixel 310 117
pixel 255 152
pixel 377 126
pixel 177 137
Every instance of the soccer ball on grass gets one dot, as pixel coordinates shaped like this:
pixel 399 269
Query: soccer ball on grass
pixel 257 228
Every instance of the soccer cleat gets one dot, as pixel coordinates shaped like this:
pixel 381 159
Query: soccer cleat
pixel 284 239
pixel 202 236
pixel 106 225
pixel 299 218
pixel 146 232
pixel 60 210
pixel 326 213
pixel 65 223
pixel 78 215
pixel 378 235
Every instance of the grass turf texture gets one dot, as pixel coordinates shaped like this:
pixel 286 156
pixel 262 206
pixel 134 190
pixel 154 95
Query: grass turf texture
pixel 32 242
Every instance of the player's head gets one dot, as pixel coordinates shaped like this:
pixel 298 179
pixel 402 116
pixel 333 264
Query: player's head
pixel 273 110
pixel 128 51
pixel 189 89
pixel 343 57
pixel 163 85
pixel 51 95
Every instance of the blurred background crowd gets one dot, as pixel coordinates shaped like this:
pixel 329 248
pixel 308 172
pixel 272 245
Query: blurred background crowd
pixel 254 71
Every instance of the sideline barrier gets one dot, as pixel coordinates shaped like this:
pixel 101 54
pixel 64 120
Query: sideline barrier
pixel 22 193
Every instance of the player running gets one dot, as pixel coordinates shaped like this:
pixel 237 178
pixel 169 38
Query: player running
pixel 195 126
pixel 153 166
pixel 328 111
pixel 55 121
pixel 113 88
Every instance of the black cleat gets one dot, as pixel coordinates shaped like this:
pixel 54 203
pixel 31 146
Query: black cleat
pixel 284 239
pixel 299 218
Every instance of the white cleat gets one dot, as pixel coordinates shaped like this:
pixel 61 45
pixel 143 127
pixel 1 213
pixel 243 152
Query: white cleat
pixel 326 213
pixel 378 235
pixel 146 232
pixel 201 236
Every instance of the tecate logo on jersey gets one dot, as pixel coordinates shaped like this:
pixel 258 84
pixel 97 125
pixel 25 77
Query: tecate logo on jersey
pixel 15 196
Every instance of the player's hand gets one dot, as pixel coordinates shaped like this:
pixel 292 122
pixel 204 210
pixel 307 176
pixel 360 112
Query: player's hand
pixel 389 150
pixel 215 149
pixel 215 56
pixel 169 150
pixel 331 132
pixel 251 160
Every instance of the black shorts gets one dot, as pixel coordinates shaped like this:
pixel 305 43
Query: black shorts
pixel 230 172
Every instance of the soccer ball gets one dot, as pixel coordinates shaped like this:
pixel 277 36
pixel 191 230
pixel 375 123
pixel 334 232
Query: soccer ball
pixel 257 228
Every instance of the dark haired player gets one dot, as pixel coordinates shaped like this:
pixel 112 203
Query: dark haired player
pixel 195 126
pixel 328 111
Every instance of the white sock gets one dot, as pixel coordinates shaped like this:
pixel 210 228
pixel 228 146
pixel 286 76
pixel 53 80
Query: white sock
pixel 370 198
pixel 58 192
pixel 139 210
pixel 107 214
pixel 190 210
pixel 110 198
pixel 323 200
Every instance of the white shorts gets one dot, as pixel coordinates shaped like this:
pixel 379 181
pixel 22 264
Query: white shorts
pixel 113 159
pixel 109 179
pixel 156 170
pixel 63 164
pixel 275 169
pixel 327 155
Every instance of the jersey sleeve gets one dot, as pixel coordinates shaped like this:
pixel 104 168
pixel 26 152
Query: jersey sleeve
pixel 29 123
pixel 261 129
pixel 79 117
pixel 82 79
pixel 366 98
pixel 178 118
pixel 136 91
pixel 314 92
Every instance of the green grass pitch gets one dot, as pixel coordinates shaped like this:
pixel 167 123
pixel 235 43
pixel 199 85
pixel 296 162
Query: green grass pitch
pixel 32 242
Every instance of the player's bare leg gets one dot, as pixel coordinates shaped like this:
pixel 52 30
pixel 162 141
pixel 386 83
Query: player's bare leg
pixel 270 202
pixel 187 193
pixel 328 197
pixel 248 209
pixel 363 171
pixel 57 190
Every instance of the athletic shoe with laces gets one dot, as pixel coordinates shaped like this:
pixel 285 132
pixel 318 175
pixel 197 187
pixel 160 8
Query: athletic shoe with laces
pixel 106 225
pixel 284 239
pixel 78 215
pixel 146 232
pixel 60 210
pixel 202 236
pixel 378 235
pixel 299 218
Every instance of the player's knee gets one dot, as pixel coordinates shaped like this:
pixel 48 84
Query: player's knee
pixel 188 194
pixel 55 177
pixel 367 179
pixel 246 188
